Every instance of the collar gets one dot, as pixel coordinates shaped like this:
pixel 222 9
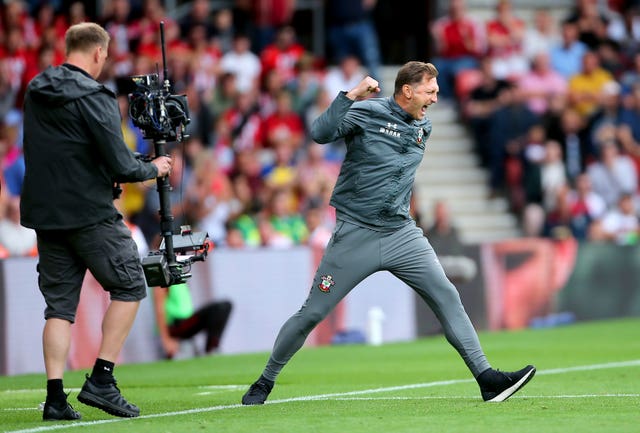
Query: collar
pixel 77 69
pixel 397 109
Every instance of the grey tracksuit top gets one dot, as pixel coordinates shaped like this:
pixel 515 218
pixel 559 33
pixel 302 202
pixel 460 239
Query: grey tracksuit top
pixel 385 145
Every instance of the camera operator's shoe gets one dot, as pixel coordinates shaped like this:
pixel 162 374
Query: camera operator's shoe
pixel 108 398
pixel 258 391
pixel 64 412
pixel 497 386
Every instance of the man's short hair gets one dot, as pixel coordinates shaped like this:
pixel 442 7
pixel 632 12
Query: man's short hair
pixel 85 37
pixel 412 73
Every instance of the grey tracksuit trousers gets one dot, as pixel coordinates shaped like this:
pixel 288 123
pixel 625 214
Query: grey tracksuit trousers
pixel 354 253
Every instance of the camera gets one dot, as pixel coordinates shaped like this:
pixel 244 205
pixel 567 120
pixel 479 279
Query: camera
pixel 162 117
pixel 153 109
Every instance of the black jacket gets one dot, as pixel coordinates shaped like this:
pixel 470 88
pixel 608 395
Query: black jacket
pixel 74 151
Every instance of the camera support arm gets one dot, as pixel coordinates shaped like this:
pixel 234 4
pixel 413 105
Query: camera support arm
pixel 166 217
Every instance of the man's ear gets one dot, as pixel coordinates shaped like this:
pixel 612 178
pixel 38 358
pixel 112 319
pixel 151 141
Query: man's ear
pixel 407 91
pixel 97 52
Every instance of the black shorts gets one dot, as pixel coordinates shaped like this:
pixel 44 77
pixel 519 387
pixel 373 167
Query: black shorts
pixel 106 249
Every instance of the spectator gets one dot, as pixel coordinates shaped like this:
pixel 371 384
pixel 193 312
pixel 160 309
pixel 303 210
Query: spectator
pixel 247 206
pixel 585 201
pixel 273 82
pixel 614 174
pixel 282 172
pixel 306 85
pixel 199 15
pixel 566 221
pixel 345 75
pixel 444 237
pixel 541 84
pixel 177 319
pixel 509 125
pixel 119 23
pixel 315 174
pixel 270 237
pixel 553 177
pixel 201 118
pixel 482 104
pixel 8 92
pixel 542 36
pixel 319 231
pixel 221 144
pixel 620 225
pixel 533 156
pixel 334 151
pixel 611 58
pixel 47 20
pixel 12 163
pixel 585 87
pixel 247 164
pixel 204 62
pixel 265 19
pixel 573 136
pixel 505 35
pixel 282 54
pixel 18 58
pixel 243 64
pixel 442 233
pixel 16 17
pixel 591 22
pixel 209 197
pixel 224 30
pixel 624 29
pixel 223 96
pixel 245 121
pixel 566 56
pixel 77 13
pixel 234 237
pixel 608 112
pixel 153 13
pixel 283 217
pixel 15 240
pixel 631 76
pixel 351 32
pixel 283 127
pixel 628 131
pixel 459 42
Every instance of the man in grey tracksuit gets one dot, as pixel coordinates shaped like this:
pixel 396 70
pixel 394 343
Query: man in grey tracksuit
pixel 385 140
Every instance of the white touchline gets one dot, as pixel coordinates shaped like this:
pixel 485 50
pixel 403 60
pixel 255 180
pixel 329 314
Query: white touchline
pixel 344 395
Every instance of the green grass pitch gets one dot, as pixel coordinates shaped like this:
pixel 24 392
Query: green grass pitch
pixel 588 380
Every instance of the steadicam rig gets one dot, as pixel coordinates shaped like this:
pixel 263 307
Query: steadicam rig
pixel 163 117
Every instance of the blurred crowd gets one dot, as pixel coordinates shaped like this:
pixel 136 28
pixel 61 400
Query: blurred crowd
pixel 552 103
pixel 246 172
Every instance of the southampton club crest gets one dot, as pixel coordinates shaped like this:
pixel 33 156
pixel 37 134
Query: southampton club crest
pixel 326 281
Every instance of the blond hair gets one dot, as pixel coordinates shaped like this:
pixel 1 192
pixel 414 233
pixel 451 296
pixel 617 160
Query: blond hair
pixel 85 37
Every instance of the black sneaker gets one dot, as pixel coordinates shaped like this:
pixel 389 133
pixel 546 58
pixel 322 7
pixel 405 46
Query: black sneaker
pixel 258 391
pixel 64 413
pixel 107 398
pixel 497 386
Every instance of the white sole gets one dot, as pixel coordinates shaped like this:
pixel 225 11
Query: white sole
pixel 513 388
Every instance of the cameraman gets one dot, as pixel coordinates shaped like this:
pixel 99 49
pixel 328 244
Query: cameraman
pixel 74 153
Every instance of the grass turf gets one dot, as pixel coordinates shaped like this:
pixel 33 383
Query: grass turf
pixel 588 380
